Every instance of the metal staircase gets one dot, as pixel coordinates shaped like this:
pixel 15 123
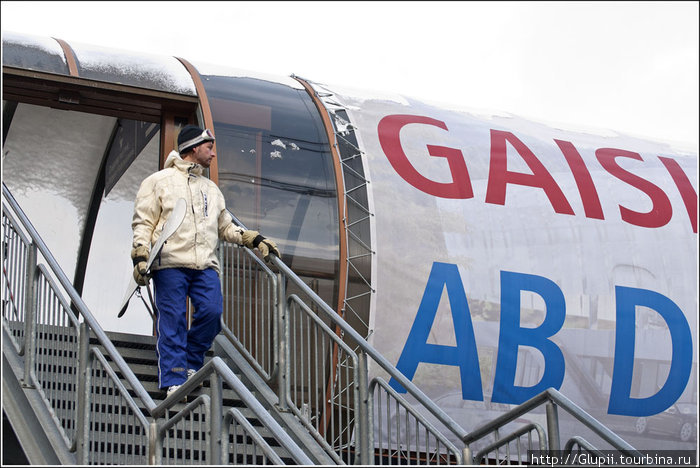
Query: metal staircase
pixel 294 389
pixel 118 434
pixel 75 395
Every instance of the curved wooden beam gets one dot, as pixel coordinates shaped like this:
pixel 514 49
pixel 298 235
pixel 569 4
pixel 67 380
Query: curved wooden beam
pixel 343 260
pixel 340 187
pixel 206 113
pixel 70 56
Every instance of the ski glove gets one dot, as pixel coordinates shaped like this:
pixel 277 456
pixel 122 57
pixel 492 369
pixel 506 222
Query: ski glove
pixel 253 239
pixel 139 255
pixel 249 238
pixel 266 247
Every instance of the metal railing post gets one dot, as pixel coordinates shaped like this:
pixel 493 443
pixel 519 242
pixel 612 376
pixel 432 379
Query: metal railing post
pixel 552 426
pixel 217 413
pixel 363 419
pixel 155 444
pixel 467 456
pixel 283 345
pixel 29 349
pixel 82 396
pixel 370 421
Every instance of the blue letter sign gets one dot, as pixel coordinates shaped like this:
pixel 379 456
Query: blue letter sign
pixel 513 335
pixel 681 355
pixel 417 349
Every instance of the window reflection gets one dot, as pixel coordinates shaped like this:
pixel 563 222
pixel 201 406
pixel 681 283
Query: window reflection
pixel 276 172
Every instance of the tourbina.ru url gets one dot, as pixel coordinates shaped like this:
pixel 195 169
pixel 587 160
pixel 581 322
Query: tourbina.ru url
pixel 613 457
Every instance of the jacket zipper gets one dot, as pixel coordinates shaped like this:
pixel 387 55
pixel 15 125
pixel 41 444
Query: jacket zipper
pixel 190 176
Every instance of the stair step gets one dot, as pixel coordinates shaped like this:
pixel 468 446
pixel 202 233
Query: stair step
pixel 140 354
pixel 115 431
pixel 109 432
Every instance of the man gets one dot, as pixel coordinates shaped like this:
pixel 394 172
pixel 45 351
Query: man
pixel 187 265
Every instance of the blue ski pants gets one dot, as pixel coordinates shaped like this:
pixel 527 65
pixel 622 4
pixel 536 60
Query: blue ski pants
pixel 177 347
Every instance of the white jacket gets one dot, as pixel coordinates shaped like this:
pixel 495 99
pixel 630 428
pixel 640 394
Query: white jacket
pixel 206 221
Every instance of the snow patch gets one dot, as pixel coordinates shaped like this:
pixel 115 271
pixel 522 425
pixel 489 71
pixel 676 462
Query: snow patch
pixel 279 143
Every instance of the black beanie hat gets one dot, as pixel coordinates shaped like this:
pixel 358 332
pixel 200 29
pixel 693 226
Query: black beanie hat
pixel 191 136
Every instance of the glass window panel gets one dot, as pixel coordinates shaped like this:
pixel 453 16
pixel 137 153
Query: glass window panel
pixel 276 172
pixel 130 139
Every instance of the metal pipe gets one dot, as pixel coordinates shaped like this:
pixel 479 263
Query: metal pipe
pixel 362 407
pixel 155 446
pixel 29 317
pixel 215 415
pixel 552 426
pixel 282 354
pixel 82 399
pixel 467 456
pixel 235 416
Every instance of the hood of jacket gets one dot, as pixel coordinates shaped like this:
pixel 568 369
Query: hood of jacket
pixel 175 160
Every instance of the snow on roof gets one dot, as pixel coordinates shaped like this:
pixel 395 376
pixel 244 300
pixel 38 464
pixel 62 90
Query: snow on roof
pixel 44 45
pixel 133 68
pixel 47 44
pixel 223 70
pixel 357 96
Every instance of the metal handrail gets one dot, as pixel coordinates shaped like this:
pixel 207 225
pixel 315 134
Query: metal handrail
pixel 44 297
pixel 515 435
pixel 317 327
pixel 582 444
pixel 554 397
pixel 97 355
pixel 443 417
pixel 238 342
pixel 188 410
pixel 432 430
pixel 217 368
pixel 233 415
pixel 15 247
pixel 362 344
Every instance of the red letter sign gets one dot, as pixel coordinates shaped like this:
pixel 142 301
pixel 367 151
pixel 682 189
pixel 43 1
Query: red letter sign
pixel 388 130
pixel 500 176
pixel 661 210
pixel 688 194
pixel 584 182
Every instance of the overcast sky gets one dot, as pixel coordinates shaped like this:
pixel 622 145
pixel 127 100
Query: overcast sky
pixel 628 66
